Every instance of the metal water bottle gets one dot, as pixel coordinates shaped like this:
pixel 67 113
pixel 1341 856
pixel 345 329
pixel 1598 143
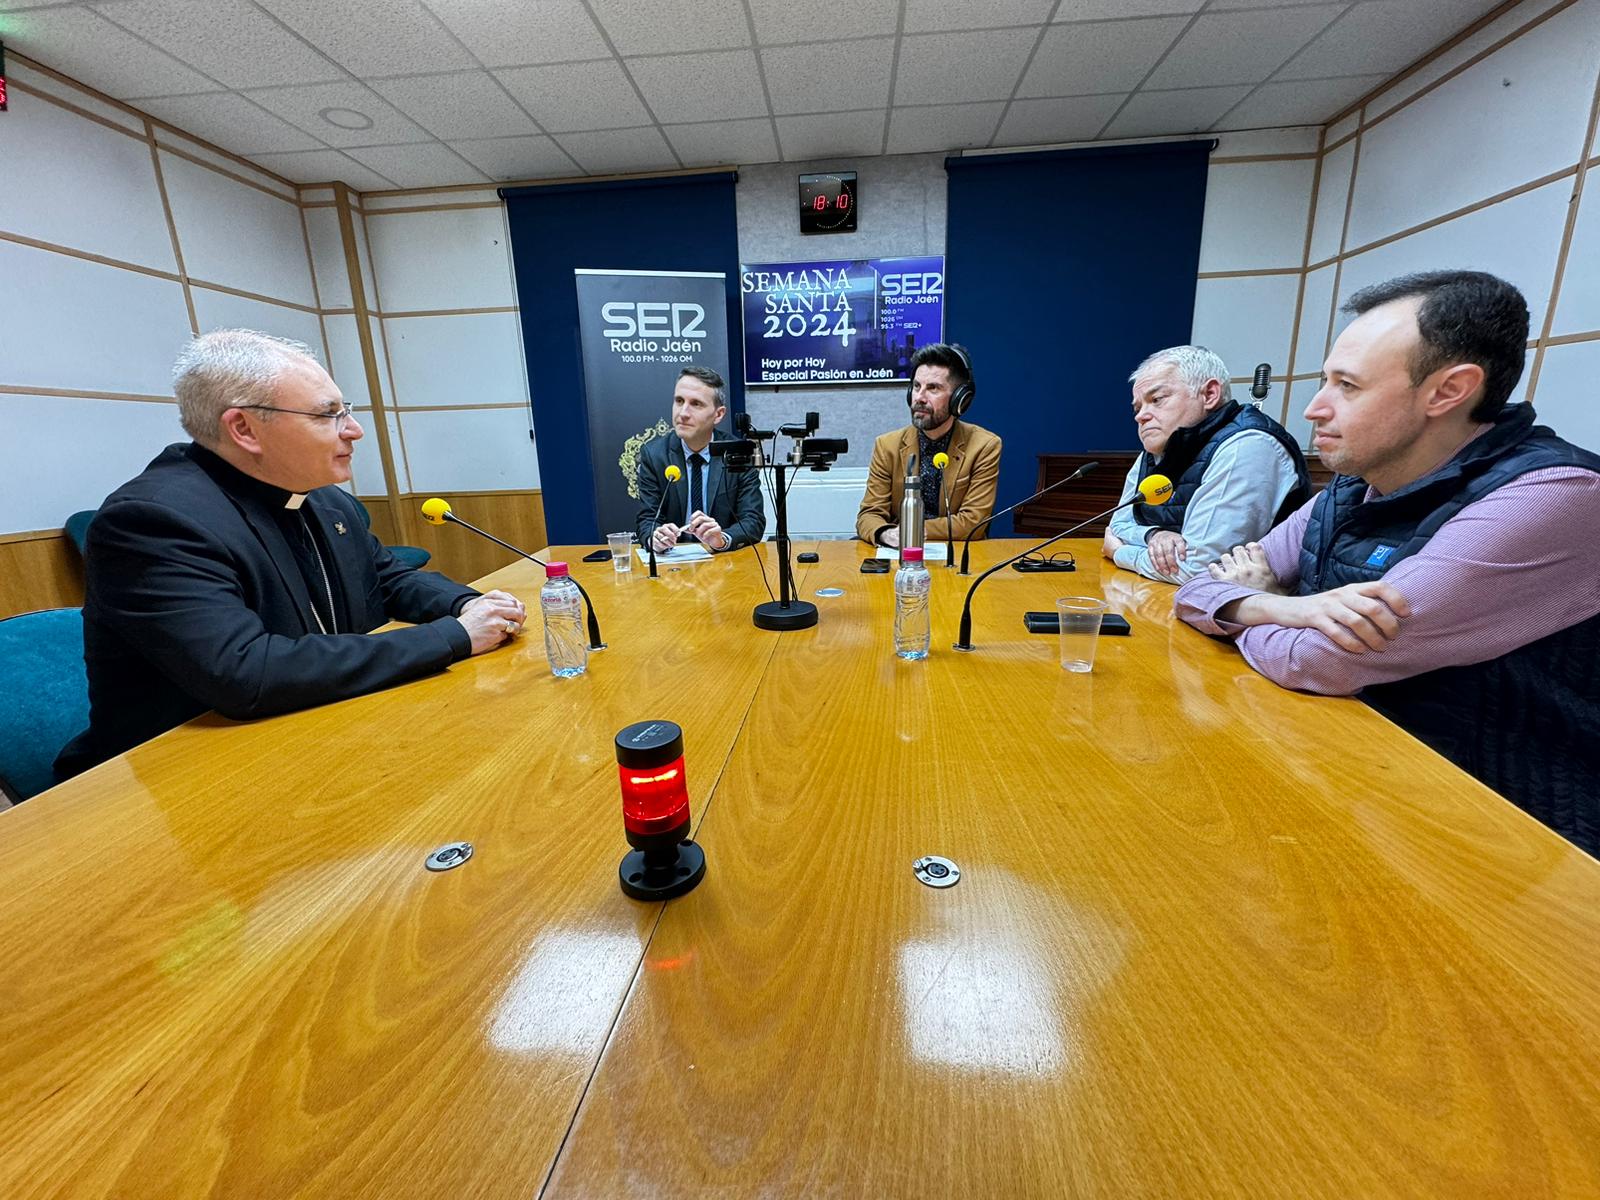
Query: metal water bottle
pixel 911 506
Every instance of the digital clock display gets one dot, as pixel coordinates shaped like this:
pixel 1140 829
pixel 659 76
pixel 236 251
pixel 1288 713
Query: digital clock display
pixel 828 203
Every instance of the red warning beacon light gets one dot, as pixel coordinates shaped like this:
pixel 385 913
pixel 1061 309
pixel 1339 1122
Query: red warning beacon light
pixel 655 813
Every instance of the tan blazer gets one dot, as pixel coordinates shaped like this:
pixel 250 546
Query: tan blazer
pixel 973 477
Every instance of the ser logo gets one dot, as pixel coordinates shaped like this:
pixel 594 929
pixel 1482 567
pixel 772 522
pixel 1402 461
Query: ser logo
pixel 633 327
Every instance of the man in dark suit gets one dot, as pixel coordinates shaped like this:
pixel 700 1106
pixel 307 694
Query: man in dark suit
pixel 719 508
pixel 232 574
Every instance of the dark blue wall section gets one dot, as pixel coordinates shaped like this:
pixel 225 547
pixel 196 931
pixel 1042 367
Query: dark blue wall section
pixel 673 223
pixel 1063 270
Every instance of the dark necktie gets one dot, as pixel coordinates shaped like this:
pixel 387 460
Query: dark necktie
pixel 697 485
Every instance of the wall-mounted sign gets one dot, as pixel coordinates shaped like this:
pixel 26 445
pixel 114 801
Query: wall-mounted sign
pixel 845 321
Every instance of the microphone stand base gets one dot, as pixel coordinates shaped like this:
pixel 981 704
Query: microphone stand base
pixel 963 649
pixel 642 881
pixel 774 615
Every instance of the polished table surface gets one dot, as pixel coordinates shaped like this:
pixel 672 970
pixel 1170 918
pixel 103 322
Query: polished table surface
pixel 1211 937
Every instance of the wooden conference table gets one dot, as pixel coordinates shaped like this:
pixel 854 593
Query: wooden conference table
pixel 1211 937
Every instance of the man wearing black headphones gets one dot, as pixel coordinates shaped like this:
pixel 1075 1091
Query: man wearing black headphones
pixel 956 499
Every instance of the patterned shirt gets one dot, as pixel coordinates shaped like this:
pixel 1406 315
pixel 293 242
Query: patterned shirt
pixel 932 476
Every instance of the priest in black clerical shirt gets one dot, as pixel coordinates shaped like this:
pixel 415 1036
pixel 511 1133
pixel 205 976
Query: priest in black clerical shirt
pixel 234 574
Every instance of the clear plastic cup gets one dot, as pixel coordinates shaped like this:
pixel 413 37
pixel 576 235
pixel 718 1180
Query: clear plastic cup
pixel 621 551
pixel 1080 631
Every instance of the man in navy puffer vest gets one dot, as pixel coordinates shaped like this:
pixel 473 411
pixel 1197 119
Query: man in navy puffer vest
pixel 1448 573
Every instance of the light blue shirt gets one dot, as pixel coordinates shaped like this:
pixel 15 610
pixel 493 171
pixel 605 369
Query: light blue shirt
pixel 1245 483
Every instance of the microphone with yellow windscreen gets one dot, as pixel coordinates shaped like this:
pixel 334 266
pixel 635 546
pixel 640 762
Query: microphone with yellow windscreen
pixel 672 474
pixel 436 511
pixel 1154 490
pixel 941 460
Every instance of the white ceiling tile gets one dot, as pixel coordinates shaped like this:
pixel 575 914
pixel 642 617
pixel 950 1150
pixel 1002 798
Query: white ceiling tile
pixel 1225 5
pixel 1103 56
pixel 715 143
pixel 18 5
pixel 230 40
pixel 374 37
pixel 460 105
pixel 576 96
pixel 1155 114
pixel 1240 47
pixel 1299 102
pixel 1382 36
pixel 346 104
pixel 227 119
pixel 943 127
pixel 779 21
pixel 1098 10
pixel 829 76
pixel 1044 122
pixel 670 26
pixel 517 158
pixel 92 50
pixel 324 166
pixel 833 135
pixel 949 68
pixel 509 33
pixel 929 16
pixel 618 150
pixel 719 86
pixel 429 164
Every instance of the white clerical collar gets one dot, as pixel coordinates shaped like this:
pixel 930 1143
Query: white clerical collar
pixel 295 500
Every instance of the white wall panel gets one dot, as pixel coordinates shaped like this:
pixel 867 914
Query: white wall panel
pixel 53 194
pixel 380 353
pixel 1314 311
pixel 219 310
pixel 1476 136
pixel 435 260
pixel 363 240
pixel 348 370
pixel 83 326
pixel 1255 215
pixel 477 450
pixel 1517 239
pixel 1333 192
pixel 1565 397
pixel 1248 320
pixel 474 359
pixel 1578 309
pixel 1441 66
pixel 235 235
pixel 62 454
pixel 327 256
pixel 1294 139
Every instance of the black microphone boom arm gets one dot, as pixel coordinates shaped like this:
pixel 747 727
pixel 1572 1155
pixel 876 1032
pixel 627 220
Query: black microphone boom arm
pixel 594 622
pixel 966 546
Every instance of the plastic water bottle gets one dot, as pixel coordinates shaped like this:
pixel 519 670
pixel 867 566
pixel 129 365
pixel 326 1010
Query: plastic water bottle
pixel 565 642
pixel 911 584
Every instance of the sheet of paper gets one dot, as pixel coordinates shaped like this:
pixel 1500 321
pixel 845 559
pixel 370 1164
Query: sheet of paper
pixel 681 553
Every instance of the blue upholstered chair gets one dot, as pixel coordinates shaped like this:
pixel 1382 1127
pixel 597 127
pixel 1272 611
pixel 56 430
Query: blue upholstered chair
pixel 78 528
pixel 409 556
pixel 45 696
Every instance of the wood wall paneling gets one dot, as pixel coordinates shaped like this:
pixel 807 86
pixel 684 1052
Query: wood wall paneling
pixel 518 517
pixel 39 570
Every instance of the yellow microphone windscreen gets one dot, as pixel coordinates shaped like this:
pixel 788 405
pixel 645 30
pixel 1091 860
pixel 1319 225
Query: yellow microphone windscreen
pixel 941 460
pixel 1156 489
pixel 434 510
pixel 673 474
